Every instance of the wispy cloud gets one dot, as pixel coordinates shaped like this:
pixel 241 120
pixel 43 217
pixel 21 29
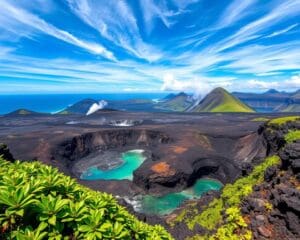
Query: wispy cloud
pixel 115 21
pixel 21 17
pixel 148 44
pixel 234 12
pixel 153 11
pixel 163 11
pixel 282 31
pixel 254 29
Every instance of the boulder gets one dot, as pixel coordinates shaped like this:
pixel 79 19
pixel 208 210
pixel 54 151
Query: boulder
pixel 5 153
pixel 270 173
pixel 256 204
pixel 292 221
pixel 263 231
pixel 290 156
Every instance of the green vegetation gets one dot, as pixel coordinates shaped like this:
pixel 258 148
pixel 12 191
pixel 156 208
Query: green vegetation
pixel 231 225
pixel 231 104
pixel 176 104
pixel 268 206
pixel 260 119
pixel 37 202
pixel 283 120
pixel 292 136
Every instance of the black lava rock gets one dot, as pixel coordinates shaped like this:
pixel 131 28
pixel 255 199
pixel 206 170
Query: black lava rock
pixel 270 173
pixel 5 153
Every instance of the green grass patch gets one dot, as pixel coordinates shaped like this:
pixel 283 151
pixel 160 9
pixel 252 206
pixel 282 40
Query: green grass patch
pixel 260 119
pixel 284 120
pixel 292 136
pixel 38 202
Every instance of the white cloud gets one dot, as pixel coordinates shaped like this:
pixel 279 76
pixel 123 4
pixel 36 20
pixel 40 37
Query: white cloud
pixel 161 10
pixel 115 21
pixel 260 59
pixel 234 12
pixel 153 11
pixel 199 86
pixel 21 18
pixel 286 9
pixel 292 83
pixel 283 31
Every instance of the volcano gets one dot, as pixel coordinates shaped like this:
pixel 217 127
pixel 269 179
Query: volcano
pixel 219 100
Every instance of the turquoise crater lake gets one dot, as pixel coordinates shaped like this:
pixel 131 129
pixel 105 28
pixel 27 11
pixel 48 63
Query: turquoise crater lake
pixel 160 205
pixel 131 161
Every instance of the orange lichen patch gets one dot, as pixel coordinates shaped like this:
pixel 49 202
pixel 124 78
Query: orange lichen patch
pixel 263 193
pixel 179 149
pixel 293 180
pixel 170 218
pixel 247 219
pixel 161 167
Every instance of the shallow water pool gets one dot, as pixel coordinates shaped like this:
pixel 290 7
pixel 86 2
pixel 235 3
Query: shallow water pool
pixel 131 161
pixel 160 205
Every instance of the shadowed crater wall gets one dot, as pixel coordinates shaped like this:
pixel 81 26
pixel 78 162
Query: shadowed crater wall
pixel 83 145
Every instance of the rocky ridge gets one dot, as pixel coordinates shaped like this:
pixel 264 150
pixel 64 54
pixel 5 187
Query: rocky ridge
pixel 273 209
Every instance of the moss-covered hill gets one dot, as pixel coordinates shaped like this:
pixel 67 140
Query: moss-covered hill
pixel 37 202
pixel 219 100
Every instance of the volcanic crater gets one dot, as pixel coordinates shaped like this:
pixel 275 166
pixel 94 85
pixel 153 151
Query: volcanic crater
pixel 179 149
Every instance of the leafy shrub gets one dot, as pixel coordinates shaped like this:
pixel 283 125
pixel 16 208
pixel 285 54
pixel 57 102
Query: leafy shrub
pixel 268 206
pixel 292 136
pixel 38 202
pixel 210 217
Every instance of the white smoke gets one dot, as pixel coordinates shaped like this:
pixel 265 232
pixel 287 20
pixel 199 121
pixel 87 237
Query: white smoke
pixel 96 106
pixel 198 87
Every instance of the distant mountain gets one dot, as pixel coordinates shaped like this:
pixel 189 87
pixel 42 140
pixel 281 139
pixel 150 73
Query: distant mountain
pixel 290 108
pixel 81 107
pixel 24 112
pixel 176 102
pixel 219 100
pixel 296 95
pixel 135 105
pixel 271 100
pixel 169 96
pixel 272 91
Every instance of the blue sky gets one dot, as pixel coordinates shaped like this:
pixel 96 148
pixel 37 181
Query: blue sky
pixel 75 46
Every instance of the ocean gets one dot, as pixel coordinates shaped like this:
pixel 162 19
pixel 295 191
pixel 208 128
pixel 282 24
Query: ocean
pixel 51 103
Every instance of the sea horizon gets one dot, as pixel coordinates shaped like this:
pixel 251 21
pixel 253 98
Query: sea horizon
pixel 51 103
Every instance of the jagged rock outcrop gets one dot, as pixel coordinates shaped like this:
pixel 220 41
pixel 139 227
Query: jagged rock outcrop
pixel 155 177
pixel 82 145
pixel 5 153
pixel 273 209
pixel 290 157
pixel 274 135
